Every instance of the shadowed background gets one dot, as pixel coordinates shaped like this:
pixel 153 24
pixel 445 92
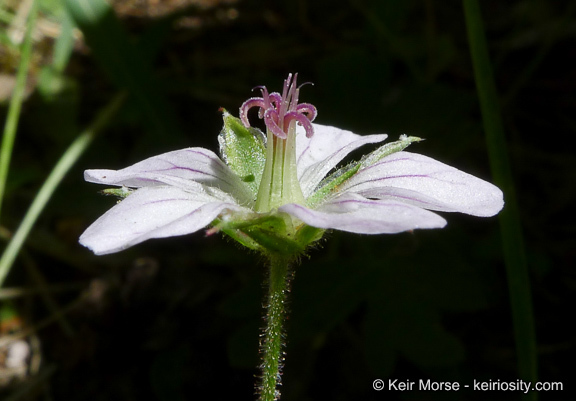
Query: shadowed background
pixel 179 318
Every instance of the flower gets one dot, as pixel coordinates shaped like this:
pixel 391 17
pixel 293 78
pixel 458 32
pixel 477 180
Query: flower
pixel 276 191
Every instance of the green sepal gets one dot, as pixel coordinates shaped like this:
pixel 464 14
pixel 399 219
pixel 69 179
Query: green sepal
pixel 337 178
pixel 271 233
pixel 308 235
pixel 243 150
pixel 243 239
pixel 121 192
pixel 388 149
pixel 330 183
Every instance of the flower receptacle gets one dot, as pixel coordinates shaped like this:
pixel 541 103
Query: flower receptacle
pixel 273 232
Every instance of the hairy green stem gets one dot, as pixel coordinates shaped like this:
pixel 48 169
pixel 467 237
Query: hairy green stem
pixel 273 337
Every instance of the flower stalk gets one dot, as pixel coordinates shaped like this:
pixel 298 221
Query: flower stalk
pixel 272 343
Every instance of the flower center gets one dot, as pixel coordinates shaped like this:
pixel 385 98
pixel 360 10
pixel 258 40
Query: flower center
pixel 281 113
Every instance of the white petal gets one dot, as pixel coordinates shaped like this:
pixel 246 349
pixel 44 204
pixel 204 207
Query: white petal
pixel 181 168
pixel 318 155
pixel 152 212
pixel 422 181
pixel 356 214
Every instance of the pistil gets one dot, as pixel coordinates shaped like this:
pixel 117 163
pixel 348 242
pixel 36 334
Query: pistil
pixel 281 113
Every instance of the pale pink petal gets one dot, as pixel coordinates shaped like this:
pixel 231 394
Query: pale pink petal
pixel 357 214
pixel 152 212
pixel 317 155
pixel 422 181
pixel 185 169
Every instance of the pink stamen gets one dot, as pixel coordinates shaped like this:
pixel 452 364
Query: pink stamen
pixel 279 110
pixel 247 105
pixel 269 99
pixel 271 121
pixel 272 100
pixel 302 120
pixel 276 99
pixel 309 109
pixel 293 93
pixel 287 85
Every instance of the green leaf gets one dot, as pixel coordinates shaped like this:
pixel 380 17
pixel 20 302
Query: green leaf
pixel 244 150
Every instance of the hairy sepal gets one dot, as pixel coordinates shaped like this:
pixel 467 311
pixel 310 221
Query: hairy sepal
pixel 330 184
pixel 243 150
pixel 121 192
pixel 272 233
pixel 387 149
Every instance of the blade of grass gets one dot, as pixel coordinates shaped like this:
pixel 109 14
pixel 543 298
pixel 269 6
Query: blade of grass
pixel 15 106
pixel 509 218
pixel 62 167
pixel 25 9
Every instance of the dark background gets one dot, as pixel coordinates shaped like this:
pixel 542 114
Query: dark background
pixel 179 318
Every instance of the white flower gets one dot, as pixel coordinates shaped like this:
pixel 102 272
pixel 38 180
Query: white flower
pixel 181 192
